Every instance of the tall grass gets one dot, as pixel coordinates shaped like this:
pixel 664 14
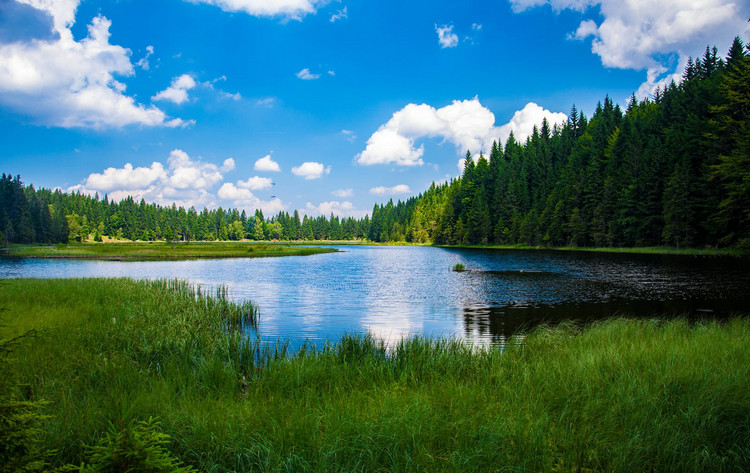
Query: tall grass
pixel 623 395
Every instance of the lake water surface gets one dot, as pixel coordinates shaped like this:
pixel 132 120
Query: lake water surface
pixel 396 291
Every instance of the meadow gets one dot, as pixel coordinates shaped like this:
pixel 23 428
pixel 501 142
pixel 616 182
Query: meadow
pixel 620 395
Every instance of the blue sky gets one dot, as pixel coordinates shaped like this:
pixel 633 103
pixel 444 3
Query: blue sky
pixel 319 106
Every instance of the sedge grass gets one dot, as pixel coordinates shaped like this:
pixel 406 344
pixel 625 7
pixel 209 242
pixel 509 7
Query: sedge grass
pixel 622 395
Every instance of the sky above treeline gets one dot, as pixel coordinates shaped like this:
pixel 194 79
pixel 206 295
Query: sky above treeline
pixel 317 106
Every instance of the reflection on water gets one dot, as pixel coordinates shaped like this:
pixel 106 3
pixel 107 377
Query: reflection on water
pixel 393 292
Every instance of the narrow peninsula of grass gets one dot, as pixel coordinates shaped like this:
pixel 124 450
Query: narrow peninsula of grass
pixel 161 251
pixel 623 395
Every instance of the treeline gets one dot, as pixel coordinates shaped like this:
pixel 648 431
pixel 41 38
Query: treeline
pixel 670 170
pixel 43 216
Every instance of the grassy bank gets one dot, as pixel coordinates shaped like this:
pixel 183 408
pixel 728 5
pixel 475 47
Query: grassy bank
pixel 653 250
pixel 161 251
pixel 623 395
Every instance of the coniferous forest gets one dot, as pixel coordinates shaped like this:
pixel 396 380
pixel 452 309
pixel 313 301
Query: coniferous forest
pixel 670 170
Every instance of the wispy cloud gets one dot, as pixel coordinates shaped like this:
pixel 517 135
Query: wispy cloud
pixel 305 74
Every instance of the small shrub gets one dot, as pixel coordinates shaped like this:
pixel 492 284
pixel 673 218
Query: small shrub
pixel 139 446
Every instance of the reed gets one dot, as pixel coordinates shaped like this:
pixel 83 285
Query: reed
pixel 621 395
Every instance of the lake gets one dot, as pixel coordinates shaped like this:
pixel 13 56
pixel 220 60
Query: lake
pixel 391 292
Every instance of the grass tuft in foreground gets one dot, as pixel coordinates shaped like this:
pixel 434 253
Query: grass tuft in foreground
pixel 623 395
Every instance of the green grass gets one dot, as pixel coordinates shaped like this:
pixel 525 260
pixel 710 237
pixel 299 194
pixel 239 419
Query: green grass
pixel 161 251
pixel 623 395
pixel 656 250
pixel 459 267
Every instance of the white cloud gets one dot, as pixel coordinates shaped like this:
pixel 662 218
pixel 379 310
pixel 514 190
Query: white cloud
pixel 341 209
pixel 267 164
pixel 227 165
pixel 305 74
pixel 641 34
pixel 177 92
pixel 256 183
pixel 466 124
pixel 126 177
pixel 311 170
pixel 243 198
pixel 343 193
pixel 294 9
pixel 183 181
pixel 143 62
pixel 189 174
pixel 339 15
pixel 395 190
pixel 68 83
pixel 446 37
pixel 523 121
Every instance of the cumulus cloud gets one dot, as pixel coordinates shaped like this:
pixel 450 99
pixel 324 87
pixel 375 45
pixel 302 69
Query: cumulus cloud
pixel 227 165
pixel 256 183
pixel 311 170
pixel 294 9
pixel 177 92
pixel 339 15
pixel 305 74
pixel 188 174
pixel 446 37
pixel 467 124
pixel 126 177
pixel 184 181
pixel 343 193
pixel 639 34
pixel 523 121
pixel 242 197
pixel 341 209
pixel 267 164
pixel 395 190
pixel 68 83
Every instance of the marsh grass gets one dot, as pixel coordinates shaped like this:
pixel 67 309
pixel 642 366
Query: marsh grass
pixel 622 395
pixel 147 251
pixel 459 267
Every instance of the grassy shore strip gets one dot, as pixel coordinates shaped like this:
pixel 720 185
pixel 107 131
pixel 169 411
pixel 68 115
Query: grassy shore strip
pixel 654 250
pixel 624 395
pixel 161 251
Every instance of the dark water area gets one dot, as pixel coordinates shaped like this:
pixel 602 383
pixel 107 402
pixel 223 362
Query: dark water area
pixel 392 292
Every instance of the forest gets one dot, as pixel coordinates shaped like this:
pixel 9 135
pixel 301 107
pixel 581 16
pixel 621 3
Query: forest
pixel 669 170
